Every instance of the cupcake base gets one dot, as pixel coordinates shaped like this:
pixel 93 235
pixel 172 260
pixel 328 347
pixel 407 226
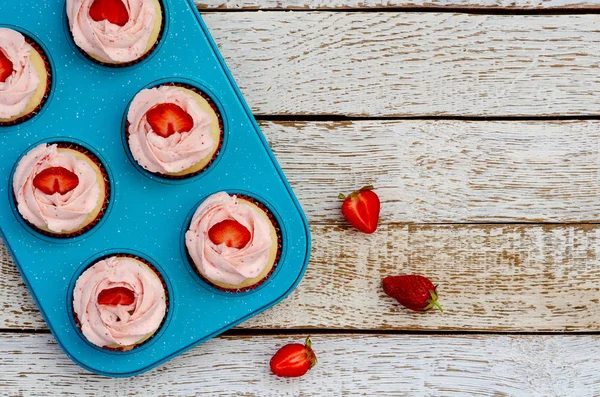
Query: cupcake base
pixel 40 61
pixel 99 212
pixel 147 338
pixel 275 254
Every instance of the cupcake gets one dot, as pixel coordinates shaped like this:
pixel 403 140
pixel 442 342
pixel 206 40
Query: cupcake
pixel 60 190
pixel 115 32
pixel 174 132
pixel 23 77
pixel 232 242
pixel 119 302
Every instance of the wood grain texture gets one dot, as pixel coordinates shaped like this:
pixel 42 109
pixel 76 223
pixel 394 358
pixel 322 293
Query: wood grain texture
pixel 412 64
pixel 445 171
pixel 533 366
pixel 369 4
pixel 490 277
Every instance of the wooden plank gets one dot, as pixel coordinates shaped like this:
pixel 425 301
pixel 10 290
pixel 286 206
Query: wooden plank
pixel 491 277
pixel 412 64
pixel 399 4
pixel 536 366
pixel 446 171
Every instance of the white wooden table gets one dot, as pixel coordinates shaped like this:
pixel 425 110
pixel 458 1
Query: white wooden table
pixel 479 123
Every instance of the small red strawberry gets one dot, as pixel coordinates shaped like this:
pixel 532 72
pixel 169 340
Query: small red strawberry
pixel 293 360
pixel 168 118
pixel 412 291
pixel 230 232
pixel 116 296
pixel 56 179
pixel 361 209
pixel 6 67
pixel 114 11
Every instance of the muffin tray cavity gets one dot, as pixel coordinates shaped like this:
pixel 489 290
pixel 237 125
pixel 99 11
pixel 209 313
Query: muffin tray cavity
pixel 146 215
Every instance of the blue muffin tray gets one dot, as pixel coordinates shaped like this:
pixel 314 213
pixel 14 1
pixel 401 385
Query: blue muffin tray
pixel 147 216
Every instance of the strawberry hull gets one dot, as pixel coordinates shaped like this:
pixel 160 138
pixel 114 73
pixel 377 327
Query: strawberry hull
pixel 147 215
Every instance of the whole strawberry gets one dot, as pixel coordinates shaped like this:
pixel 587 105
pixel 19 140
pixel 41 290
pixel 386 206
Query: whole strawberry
pixel 293 360
pixel 412 291
pixel 361 209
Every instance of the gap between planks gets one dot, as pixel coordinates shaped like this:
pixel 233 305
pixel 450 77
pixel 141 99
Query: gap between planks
pixel 396 5
pixel 303 332
pixel 341 118
pixel 436 10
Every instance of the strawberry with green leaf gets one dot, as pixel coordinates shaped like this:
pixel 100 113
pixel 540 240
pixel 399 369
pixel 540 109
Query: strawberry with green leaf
pixel 412 291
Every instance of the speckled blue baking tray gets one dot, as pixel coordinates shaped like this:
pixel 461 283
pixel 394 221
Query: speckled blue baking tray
pixel 146 216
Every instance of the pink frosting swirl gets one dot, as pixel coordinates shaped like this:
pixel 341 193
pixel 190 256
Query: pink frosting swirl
pixel 16 91
pixel 180 150
pixel 108 41
pixel 219 262
pixel 123 325
pixel 56 212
